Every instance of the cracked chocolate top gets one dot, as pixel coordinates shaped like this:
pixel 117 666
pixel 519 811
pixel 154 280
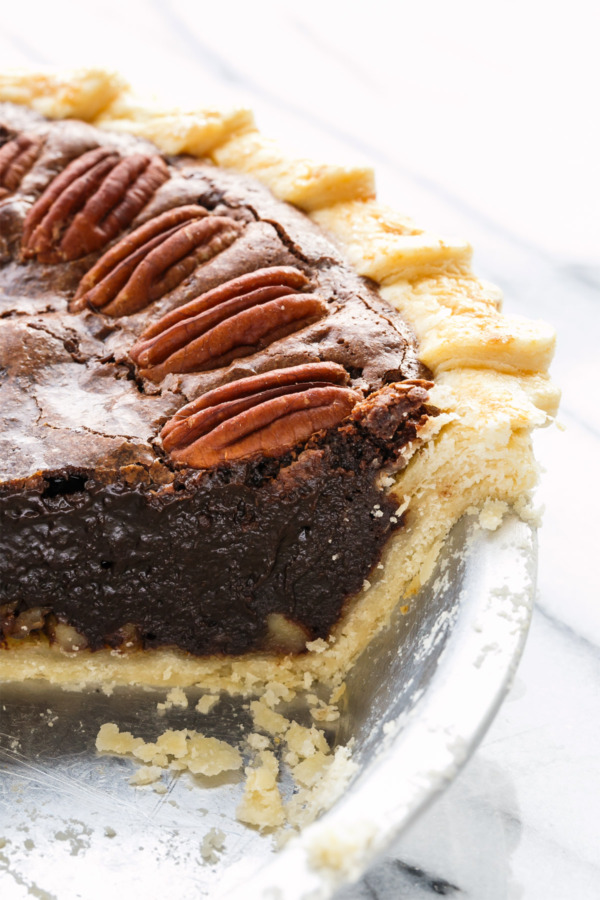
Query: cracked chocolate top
pixel 198 400
pixel 133 286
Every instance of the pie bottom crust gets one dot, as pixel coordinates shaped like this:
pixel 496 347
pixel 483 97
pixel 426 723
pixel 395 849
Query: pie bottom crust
pixel 490 385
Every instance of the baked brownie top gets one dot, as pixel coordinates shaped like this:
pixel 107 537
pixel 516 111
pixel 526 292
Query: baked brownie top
pixel 100 239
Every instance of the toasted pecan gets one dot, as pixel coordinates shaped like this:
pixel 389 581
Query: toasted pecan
pixel 287 278
pixel 153 260
pixel 268 414
pixel 16 158
pixel 233 320
pixel 89 203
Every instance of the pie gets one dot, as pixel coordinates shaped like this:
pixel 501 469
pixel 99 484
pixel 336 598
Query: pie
pixel 243 403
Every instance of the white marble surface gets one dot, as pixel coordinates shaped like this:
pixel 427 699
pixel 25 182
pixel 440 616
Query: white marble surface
pixel 482 121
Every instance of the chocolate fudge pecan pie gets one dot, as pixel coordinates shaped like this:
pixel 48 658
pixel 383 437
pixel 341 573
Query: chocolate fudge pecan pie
pixel 242 402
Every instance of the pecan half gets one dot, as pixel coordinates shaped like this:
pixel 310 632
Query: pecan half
pixel 153 260
pixel 267 414
pixel 16 159
pixel 233 320
pixel 92 200
pixel 287 278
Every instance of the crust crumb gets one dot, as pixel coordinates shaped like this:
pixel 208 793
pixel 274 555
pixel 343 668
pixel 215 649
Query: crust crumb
pixel 175 697
pixel 111 740
pixel 258 741
pixel 325 778
pixel 261 804
pixel 177 750
pixel 274 692
pixel 212 845
pixel 304 741
pixel 206 703
pixel 210 756
pixel 318 646
pixel 311 770
pixel 146 775
pixel 266 719
pixel 491 514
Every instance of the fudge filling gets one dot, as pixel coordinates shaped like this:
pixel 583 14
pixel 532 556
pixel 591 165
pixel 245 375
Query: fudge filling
pixel 201 403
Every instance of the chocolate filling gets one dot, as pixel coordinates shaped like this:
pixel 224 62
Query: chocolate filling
pixel 101 528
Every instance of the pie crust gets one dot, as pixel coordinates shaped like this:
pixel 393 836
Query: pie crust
pixel 490 374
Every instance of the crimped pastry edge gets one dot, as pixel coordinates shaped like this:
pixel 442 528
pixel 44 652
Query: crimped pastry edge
pixel 490 372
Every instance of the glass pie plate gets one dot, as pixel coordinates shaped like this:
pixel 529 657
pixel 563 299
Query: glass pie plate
pixel 417 703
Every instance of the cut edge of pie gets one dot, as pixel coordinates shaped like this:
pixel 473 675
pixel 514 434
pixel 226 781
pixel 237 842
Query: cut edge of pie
pixel 490 373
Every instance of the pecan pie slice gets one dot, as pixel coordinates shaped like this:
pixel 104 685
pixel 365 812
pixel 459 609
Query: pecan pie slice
pixel 234 429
